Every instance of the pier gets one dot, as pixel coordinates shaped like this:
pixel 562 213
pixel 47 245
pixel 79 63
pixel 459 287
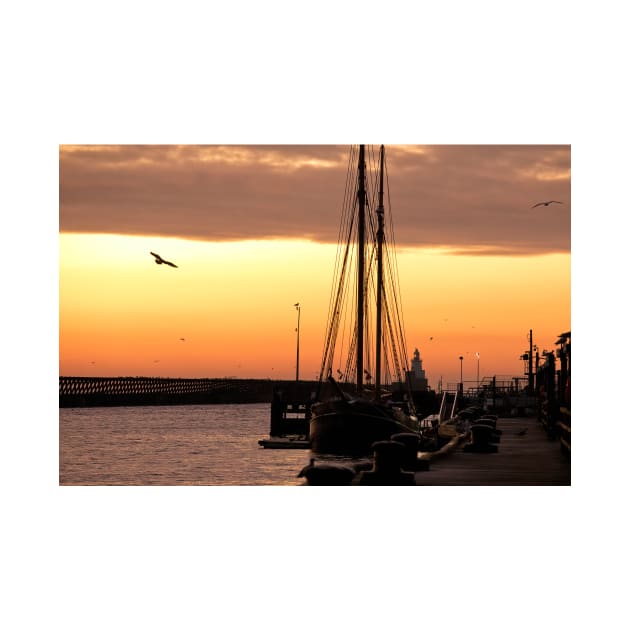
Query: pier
pixel 86 391
pixel 523 454
pixel 526 456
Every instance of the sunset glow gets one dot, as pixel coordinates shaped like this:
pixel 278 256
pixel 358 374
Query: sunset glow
pixel 232 304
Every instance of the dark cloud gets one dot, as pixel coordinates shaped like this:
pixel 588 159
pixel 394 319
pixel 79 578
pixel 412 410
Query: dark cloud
pixel 470 198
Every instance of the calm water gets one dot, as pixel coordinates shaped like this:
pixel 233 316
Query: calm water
pixel 173 445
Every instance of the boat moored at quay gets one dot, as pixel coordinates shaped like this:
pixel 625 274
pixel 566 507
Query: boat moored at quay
pixel 348 419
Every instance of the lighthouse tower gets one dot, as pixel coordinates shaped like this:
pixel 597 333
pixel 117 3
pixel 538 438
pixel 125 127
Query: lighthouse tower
pixel 417 377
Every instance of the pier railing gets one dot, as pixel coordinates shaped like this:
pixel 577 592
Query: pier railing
pixel 488 386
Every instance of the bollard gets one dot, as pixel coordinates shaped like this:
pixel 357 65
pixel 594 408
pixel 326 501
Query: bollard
pixel 386 471
pixel 483 439
pixel 411 442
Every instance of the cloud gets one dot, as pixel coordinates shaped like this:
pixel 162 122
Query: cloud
pixel 469 198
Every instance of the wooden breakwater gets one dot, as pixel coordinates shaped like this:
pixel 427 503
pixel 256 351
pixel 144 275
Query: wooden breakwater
pixel 87 391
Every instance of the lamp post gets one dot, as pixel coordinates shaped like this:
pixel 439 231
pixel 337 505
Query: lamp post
pixel 297 357
pixel 477 355
pixel 461 376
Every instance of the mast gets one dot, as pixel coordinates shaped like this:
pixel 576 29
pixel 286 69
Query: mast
pixel 380 211
pixel 361 268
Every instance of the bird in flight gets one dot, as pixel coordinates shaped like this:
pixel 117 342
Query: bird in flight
pixel 545 203
pixel 159 260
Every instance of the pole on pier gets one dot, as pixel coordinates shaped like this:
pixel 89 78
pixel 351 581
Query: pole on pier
pixel 297 357
pixel 530 374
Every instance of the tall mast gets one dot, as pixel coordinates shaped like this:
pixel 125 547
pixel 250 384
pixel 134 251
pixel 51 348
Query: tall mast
pixel 380 211
pixel 361 268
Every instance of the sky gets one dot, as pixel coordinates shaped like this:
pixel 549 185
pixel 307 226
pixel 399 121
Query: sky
pixel 253 230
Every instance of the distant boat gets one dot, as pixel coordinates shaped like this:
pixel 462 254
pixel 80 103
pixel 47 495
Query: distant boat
pixel 284 442
pixel 347 419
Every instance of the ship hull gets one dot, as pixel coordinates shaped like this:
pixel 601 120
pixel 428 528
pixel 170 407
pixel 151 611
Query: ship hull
pixel 342 427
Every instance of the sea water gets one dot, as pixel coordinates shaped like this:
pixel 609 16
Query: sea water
pixel 173 445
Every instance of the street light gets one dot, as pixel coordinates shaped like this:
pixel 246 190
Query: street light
pixel 297 358
pixel 461 377
pixel 477 355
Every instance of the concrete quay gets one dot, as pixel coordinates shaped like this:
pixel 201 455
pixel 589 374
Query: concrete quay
pixel 526 456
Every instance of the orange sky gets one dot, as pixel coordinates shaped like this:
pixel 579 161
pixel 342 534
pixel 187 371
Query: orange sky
pixel 252 231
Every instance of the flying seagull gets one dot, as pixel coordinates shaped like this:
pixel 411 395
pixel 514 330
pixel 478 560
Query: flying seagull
pixel 545 203
pixel 159 260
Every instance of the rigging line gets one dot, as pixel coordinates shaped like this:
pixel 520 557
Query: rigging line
pixel 367 346
pixel 344 336
pixel 346 285
pixel 397 275
pixel 340 324
pixel 349 321
pixel 390 289
pixel 333 316
pixel 394 315
pixel 334 325
pixel 369 267
pixel 339 268
pixel 349 369
pixel 390 343
pixel 400 327
pixel 342 316
pixel 387 370
pixel 345 217
pixel 402 375
pixel 351 356
pixel 392 335
pixel 396 306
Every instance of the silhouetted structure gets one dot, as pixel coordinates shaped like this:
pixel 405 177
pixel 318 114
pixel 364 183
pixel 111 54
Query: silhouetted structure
pixel 345 423
pixel 88 391
pixel 325 474
pixel 553 386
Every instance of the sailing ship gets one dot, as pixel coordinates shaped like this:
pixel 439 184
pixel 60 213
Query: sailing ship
pixel 356 409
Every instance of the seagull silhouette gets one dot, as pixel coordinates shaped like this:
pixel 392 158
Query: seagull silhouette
pixel 545 203
pixel 159 260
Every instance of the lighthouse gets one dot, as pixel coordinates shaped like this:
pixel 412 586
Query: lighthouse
pixel 417 377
